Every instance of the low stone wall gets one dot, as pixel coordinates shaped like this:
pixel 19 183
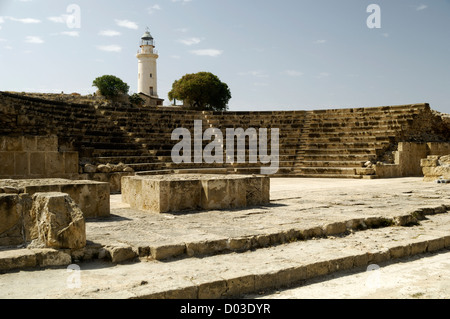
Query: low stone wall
pixel 408 159
pixel 92 197
pixel 35 157
pixel 172 193
pixel 436 168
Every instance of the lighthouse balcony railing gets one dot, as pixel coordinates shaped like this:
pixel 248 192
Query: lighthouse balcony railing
pixel 150 52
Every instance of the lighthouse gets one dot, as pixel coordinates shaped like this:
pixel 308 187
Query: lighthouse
pixel 147 70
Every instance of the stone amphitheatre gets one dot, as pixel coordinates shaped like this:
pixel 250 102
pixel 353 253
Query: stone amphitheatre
pixel 91 187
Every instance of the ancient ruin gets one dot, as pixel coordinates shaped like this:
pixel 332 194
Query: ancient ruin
pixel 84 180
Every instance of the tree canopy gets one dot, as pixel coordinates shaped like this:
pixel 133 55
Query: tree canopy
pixel 111 86
pixel 202 91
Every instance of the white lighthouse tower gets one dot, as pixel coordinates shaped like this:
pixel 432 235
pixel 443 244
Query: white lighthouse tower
pixel 147 71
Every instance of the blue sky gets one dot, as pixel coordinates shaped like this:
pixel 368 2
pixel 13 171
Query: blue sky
pixel 274 55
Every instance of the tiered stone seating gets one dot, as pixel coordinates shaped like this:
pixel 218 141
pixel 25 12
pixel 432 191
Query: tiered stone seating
pixel 152 129
pixel 289 123
pixel 78 126
pixel 339 142
pixel 323 143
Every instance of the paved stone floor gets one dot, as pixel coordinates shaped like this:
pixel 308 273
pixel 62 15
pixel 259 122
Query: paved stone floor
pixel 321 205
pixel 295 204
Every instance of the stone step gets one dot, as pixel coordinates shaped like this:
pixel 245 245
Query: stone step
pixel 365 112
pixel 118 152
pixel 352 136
pixel 339 157
pixel 165 133
pixel 350 139
pixel 356 129
pixel 345 145
pixel 166 158
pixel 332 171
pixel 359 121
pixel 331 176
pixel 287 260
pixel 139 167
pixel 330 164
pixel 343 151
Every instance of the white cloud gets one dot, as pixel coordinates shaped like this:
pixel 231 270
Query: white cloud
pixel 60 19
pixel 127 24
pixel 71 33
pixel 421 7
pixel 110 48
pixel 182 1
pixel 23 20
pixel 109 33
pixel 154 8
pixel 3 40
pixel 207 52
pixel 190 41
pixel 293 73
pixel 320 41
pixel 34 40
pixel 2 20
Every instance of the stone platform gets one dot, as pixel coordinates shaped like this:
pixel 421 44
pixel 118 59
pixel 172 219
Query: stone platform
pixel 92 197
pixel 174 193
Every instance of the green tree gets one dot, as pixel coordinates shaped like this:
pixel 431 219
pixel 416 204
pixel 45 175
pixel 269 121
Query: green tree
pixel 136 99
pixel 111 86
pixel 201 91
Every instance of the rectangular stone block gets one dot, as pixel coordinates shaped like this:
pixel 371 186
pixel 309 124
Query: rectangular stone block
pixel 7 163
pixel 91 196
pixel 429 162
pixel 29 143
pixel 21 164
pixel 70 162
pixel 257 191
pixel 47 143
pixel 223 193
pixel 171 193
pixel 12 144
pixel 54 164
pixel 37 163
pixel 10 220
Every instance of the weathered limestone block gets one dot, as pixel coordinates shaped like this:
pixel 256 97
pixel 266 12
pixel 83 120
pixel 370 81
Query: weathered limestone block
pixel 223 193
pixel 436 168
pixel 58 221
pixel 257 190
pixel 10 220
pixel 70 162
pixel 171 193
pixel 431 161
pixel 444 160
pixel 47 143
pixel 91 196
pixel 7 163
pixel 160 195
